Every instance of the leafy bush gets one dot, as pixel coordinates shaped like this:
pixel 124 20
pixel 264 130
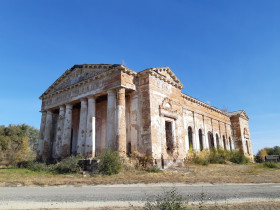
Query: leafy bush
pixel 219 156
pixel 36 166
pixel 110 162
pixel 168 201
pixel 67 165
pixel 238 157
pixel 270 165
pixel 153 169
pixel 200 160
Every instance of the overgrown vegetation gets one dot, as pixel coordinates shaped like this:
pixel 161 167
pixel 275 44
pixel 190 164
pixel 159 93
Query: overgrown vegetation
pixel 271 165
pixel 110 162
pixel 260 157
pixel 172 200
pixel 67 165
pixel 169 200
pixel 219 156
pixel 17 143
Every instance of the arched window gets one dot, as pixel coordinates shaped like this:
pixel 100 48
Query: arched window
pixel 230 146
pixel 217 141
pixel 200 139
pixel 224 142
pixel 210 140
pixel 190 135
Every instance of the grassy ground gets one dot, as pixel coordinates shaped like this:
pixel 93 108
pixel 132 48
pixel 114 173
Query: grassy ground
pixel 214 173
pixel 269 205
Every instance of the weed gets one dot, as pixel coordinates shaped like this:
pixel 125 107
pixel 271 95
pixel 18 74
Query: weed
pixel 168 201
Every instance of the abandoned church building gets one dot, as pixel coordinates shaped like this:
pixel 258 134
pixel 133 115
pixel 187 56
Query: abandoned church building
pixel 92 107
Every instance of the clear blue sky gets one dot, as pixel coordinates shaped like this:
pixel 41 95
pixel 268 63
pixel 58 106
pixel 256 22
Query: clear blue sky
pixel 225 52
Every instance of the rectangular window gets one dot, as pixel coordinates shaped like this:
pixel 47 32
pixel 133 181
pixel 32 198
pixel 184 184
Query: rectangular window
pixel 169 137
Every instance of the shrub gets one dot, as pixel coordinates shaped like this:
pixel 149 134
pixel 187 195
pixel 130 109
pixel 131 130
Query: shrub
pixel 110 162
pixel 36 166
pixel 200 160
pixel 168 201
pixel 218 156
pixel 270 165
pixel 67 165
pixel 238 157
pixel 153 169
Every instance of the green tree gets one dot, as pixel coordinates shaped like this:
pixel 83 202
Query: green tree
pixel 17 143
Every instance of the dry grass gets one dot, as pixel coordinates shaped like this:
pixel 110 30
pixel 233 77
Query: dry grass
pixel 269 205
pixel 216 173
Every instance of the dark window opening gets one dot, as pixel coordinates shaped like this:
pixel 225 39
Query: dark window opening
pixel 224 141
pixel 211 140
pixel 230 146
pixel 169 137
pixel 200 139
pixel 217 141
pixel 129 149
pixel 190 135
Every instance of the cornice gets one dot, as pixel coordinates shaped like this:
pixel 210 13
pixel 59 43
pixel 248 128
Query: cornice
pixel 194 100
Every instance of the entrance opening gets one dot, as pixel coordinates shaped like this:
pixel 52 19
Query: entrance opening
pixel 190 135
pixel 169 137
pixel 200 139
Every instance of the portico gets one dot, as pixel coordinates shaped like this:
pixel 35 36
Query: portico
pixel 93 107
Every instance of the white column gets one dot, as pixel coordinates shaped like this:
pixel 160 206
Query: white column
pixel 121 122
pixel 47 137
pixel 90 134
pixel 59 132
pixel 134 120
pixel 67 128
pixel 41 136
pixel 111 120
pixel 82 127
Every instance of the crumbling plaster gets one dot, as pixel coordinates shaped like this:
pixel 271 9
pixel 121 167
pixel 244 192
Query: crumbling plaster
pixel 94 107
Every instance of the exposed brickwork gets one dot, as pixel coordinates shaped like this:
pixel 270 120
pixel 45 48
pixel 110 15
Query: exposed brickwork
pixel 143 112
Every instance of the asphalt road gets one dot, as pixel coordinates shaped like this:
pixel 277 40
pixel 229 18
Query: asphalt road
pixel 102 195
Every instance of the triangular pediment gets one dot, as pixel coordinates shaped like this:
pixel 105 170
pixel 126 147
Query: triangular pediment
pixel 76 74
pixel 240 113
pixel 244 115
pixel 168 74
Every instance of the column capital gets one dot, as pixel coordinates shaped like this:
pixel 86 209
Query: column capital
pixel 62 107
pixel 84 100
pixel 49 112
pixel 69 106
pixel 111 91
pixel 91 97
